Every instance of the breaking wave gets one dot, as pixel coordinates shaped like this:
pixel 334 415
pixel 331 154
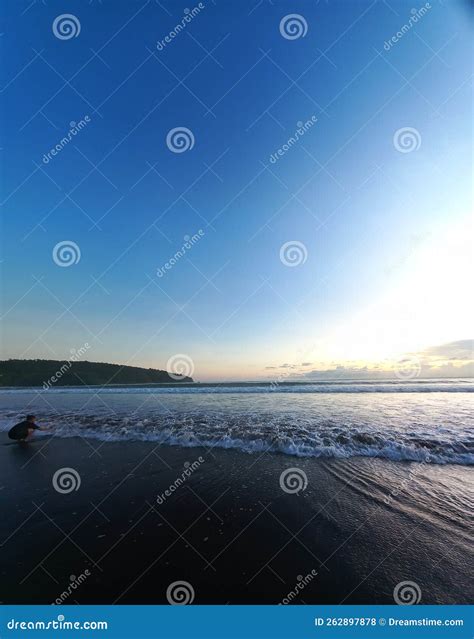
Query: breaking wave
pixel 405 421
pixel 260 433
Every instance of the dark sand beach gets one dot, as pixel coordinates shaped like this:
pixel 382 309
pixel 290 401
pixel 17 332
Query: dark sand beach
pixel 228 529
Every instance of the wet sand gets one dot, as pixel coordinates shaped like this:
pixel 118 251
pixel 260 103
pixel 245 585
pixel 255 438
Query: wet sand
pixel 227 528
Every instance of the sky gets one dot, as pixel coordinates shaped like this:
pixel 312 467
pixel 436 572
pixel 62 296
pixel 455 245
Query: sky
pixel 272 189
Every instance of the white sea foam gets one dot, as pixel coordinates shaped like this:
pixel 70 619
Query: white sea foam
pixel 248 435
pixel 303 421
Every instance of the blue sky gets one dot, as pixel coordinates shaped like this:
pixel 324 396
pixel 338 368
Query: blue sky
pixel 384 232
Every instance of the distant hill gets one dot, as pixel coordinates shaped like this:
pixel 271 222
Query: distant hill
pixel 51 373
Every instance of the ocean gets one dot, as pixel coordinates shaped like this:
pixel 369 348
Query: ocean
pixel 422 420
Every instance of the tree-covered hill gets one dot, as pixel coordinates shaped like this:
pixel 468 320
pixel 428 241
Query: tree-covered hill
pixel 50 373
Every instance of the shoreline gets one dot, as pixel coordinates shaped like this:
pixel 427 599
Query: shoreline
pixel 228 527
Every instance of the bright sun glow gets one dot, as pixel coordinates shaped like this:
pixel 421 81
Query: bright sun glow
pixel 430 305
